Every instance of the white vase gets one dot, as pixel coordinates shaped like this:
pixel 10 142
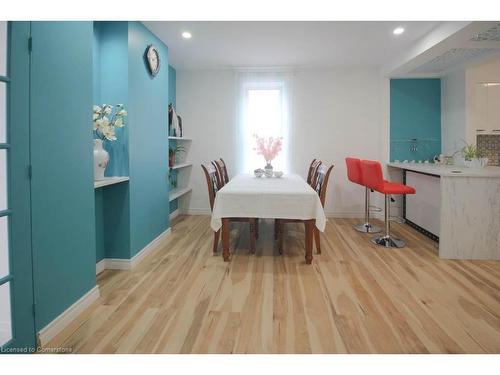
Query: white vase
pixel 101 159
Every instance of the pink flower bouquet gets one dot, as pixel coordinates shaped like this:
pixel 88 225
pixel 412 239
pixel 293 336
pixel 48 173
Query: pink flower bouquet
pixel 269 148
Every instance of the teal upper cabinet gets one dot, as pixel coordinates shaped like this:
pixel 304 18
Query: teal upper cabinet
pixel 415 130
pixel 61 152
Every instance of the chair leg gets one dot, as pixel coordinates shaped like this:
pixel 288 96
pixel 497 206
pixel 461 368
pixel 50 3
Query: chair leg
pixel 252 235
pixel 257 228
pixel 280 231
pixel 317 240
pixel 275 229
pixel 216 241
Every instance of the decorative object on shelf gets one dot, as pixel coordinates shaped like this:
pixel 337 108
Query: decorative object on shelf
pixel 153 58
pixel 473 157
pixel 269 148
pixel 172 154
pixel 104 125
pixel 278 174
pixel 174 122
pixel 173 180
pixel 259 172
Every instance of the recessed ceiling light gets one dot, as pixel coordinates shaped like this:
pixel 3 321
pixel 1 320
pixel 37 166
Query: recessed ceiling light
pixel 186 35
pixel 398 30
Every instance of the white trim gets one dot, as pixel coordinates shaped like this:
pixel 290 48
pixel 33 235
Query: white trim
pixel 52 329
pixel 174 214
pixel 100 266
pixel 149 248
pixel 117 264
pixel 198 211
pixel 128 264
pixel 336 214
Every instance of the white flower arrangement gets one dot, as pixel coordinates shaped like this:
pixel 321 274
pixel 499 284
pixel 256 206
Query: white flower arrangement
pixel 103 127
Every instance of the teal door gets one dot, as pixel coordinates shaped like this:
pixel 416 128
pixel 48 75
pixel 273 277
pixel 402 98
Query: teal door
pixel 17 331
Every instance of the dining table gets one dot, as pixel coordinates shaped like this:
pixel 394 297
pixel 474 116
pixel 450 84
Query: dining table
pixel 286 197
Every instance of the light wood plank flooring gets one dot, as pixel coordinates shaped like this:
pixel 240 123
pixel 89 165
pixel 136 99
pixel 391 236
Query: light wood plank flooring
pixel 355 298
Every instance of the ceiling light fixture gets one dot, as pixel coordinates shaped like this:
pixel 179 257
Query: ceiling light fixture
pixel 186 35
pixel 398 30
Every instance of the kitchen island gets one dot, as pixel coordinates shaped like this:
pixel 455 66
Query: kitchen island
pixel 460 206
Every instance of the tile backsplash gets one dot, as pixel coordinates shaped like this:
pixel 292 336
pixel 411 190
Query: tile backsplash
pixel 489 146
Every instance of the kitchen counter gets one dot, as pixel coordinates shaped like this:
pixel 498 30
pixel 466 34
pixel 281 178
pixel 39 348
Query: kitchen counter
pixel 448 170
pixel 467 205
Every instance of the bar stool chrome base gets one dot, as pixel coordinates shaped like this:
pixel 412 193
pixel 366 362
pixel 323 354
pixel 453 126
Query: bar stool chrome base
pixel 367 228
pixel 388 242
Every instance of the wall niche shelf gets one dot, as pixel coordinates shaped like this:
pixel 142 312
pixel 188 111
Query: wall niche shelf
pixel 178 192
pixel 109 181
pixel 181 165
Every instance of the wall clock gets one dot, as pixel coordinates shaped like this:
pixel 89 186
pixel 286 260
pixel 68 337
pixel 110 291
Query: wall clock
pixel 153 57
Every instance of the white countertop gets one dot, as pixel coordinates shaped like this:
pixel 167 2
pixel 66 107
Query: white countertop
pixel 449 170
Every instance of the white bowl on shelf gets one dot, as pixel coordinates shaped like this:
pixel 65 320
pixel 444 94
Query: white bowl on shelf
pixel 258 173
pixel 278 174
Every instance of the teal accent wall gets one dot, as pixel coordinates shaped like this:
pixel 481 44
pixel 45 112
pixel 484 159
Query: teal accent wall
pixel 148 142
pixel 62 192
pixel 172 98
pixel 111 86
pixel 172 85
pixel 110 83
pixel 99 225
pixel 415 113
pixel 19 188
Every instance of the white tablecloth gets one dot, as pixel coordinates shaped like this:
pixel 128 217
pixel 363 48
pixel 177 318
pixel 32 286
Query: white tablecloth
pixel 289 197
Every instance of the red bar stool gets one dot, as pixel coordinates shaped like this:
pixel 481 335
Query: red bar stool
pixel 373 178
pixel 354 175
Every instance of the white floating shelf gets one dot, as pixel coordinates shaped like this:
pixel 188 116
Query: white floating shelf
pixel 181 165
pixel 177 192
pixel 179 139
pixel 109 181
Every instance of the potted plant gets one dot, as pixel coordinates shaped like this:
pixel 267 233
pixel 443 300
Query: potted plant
pixel 105 121
pixel 172 154
pixel 473 157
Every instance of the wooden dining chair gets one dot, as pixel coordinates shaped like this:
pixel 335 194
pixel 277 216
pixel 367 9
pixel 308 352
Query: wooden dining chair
pixel 320 186
pixel 313 169
pixel 221 169
pixel 213 187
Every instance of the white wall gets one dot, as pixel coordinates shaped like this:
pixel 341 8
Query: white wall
pixel 453 130
pixel 337 113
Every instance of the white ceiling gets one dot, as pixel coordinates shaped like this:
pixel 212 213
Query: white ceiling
pixel 298 44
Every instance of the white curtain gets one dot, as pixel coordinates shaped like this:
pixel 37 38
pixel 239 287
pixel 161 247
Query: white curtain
pixel 264 101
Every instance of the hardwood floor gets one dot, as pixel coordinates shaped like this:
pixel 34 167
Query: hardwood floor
pixel 354 298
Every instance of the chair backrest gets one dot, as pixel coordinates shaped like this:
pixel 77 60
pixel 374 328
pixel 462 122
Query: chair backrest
pixel 313 168
pixel 354 170
pixel 321 182
pixel 212 182
pixel 221 168
pixel 371 172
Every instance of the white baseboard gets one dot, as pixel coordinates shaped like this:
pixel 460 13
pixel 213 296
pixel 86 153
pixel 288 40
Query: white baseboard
pixel 52 329
pixel 100 266
pixel 198 211
pixel 174 214
pixel 336 214
pixel 128 264
pixel 353 215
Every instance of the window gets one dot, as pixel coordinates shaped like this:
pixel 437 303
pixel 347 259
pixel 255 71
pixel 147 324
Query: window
pixel 263 111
